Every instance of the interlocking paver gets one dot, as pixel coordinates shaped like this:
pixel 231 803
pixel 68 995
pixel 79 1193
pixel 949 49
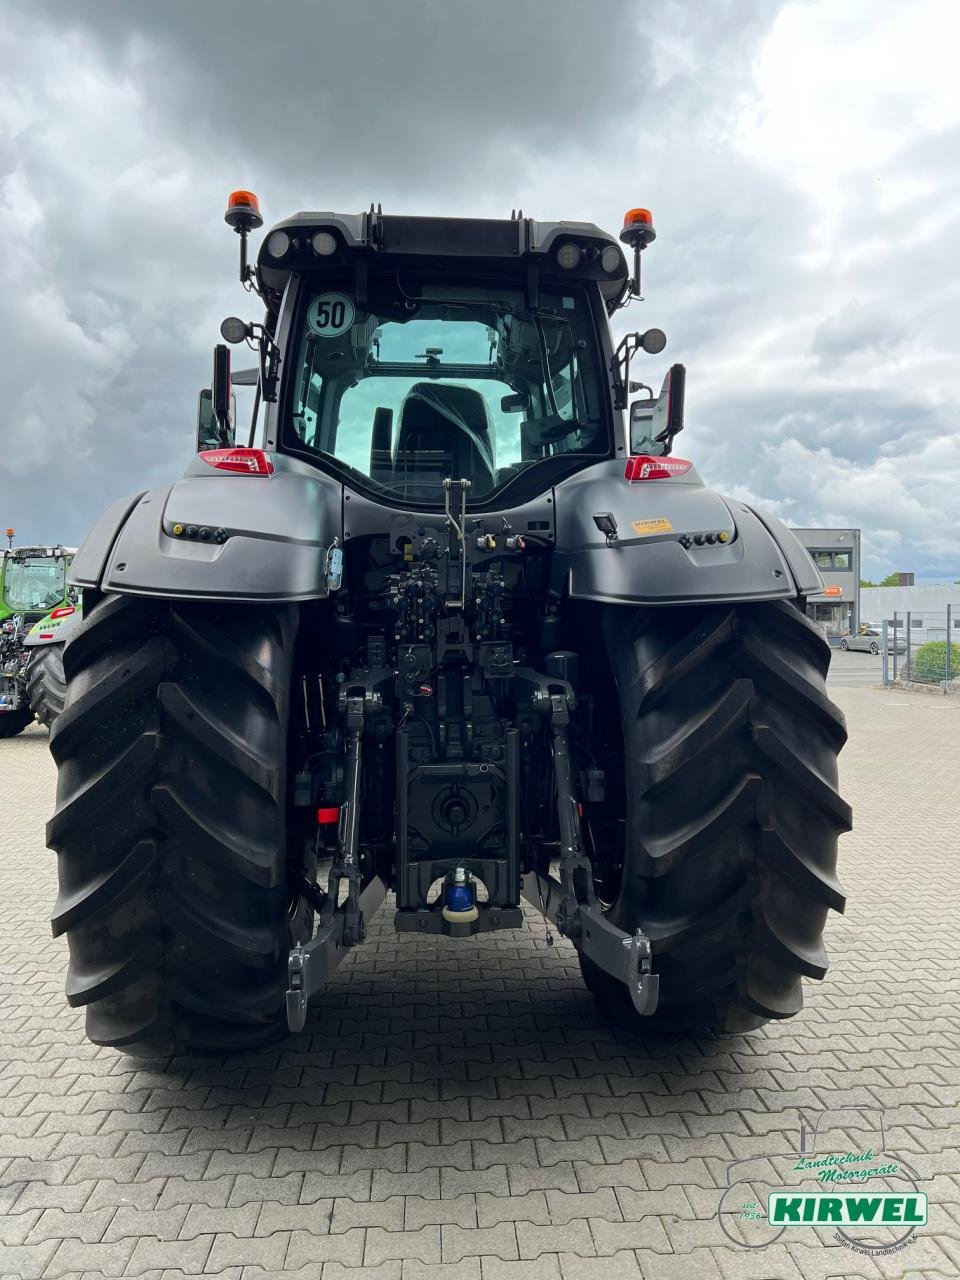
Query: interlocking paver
pixel 466 1269
pixel 461 1112
pixel 546 1267
pixel 617 1266
pixel 531 1207
pixel 499 1241
pixel 305 1248
pixel 271 1217
pixel 57 1224
pixel 388 1214
pixel 422 1245
pixel 205 1220
pixel 231 1251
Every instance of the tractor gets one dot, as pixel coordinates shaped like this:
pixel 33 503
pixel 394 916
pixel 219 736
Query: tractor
pixel 446 624
pixel 36 615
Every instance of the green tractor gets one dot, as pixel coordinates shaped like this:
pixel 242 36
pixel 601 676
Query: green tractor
pixel 37 613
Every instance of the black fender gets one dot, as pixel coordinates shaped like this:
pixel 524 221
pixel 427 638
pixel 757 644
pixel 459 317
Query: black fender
pixel 655 558
pixel 216 535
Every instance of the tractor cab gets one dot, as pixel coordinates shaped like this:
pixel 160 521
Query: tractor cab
pixel 33 580
pixel 399 353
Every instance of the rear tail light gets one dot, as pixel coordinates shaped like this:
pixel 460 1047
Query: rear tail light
pixel 64 611
pixel 243 462
pixel 328 814
pixel 644 466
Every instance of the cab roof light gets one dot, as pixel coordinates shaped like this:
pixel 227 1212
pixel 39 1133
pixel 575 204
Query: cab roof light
pixel 569 255
pixel 645 466
pixel 324 244
pixel 239 461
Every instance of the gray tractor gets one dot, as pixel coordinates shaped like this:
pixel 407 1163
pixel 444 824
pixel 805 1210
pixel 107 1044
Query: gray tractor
pixel 448 620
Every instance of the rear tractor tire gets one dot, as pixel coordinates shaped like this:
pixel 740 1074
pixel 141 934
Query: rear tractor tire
pixel 733 813
pixel 14 722
pixel 46 683
pixel 169 824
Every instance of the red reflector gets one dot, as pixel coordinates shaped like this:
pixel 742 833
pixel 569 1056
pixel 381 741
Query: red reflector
pixel 46 635
pixel 244 462
pixel 643 466
pixel 329 813
pixel 64 611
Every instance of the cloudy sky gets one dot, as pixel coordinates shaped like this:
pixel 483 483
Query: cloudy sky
pixel 802 161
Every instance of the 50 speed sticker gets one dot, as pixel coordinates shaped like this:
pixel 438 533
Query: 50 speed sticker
pixel 330 315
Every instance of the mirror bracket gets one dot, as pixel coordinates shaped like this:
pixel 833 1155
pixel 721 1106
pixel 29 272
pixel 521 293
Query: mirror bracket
pixel 652 341
pixel 269 355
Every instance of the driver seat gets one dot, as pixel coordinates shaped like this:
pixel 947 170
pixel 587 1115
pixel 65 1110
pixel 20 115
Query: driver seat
pixel 444 431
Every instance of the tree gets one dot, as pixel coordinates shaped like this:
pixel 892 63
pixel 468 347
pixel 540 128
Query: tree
pixel 891 580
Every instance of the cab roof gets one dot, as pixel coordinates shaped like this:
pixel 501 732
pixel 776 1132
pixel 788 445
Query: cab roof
pixel 472 241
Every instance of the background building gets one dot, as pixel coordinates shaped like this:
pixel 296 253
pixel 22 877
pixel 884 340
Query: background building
pixel 836 553
pixel 926 605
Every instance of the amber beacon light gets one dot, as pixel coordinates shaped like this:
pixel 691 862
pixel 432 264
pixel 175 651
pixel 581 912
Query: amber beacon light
pixel 637 232
pixel 638 228
pixel 243 214
pixel 243 211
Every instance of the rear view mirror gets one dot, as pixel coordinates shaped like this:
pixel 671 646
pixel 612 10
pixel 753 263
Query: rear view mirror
pixel 221 389
pixel 654 423
pixel 209 435
pixel 217 405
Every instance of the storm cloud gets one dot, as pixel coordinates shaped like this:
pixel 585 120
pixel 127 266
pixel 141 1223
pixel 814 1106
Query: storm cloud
pixel 801 161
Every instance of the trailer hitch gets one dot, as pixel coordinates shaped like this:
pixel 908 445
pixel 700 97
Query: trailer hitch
pixel 572 904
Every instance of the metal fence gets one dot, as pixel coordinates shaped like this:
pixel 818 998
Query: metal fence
pixel 922 648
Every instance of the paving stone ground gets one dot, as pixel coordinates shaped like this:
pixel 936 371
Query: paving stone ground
pixel 458 1109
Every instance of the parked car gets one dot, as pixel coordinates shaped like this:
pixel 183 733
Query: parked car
pixel 869 641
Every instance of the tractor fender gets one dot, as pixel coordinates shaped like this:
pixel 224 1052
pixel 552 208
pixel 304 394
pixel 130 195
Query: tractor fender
pixel 218 535
pixel 650 562
pixel 50 630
